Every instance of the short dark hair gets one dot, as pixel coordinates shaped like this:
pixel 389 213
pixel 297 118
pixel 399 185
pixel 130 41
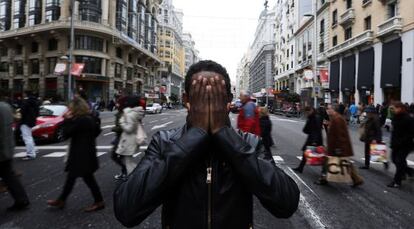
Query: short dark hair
pixel 207 65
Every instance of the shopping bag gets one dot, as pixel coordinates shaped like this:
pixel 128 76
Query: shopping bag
pixel 141 136
pixel 339 169
pixel 378 152
pixel 315 155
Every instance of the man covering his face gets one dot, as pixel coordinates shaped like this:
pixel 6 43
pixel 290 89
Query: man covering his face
pixel 205 173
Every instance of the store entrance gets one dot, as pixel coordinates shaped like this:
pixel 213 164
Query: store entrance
pixel 392 94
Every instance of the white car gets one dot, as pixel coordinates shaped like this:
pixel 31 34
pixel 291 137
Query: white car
pixel 154 108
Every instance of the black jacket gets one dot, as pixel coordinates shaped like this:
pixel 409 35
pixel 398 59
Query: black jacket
pixel 173 173
pixel 313 128
pixel 403 132
pixel 266 131
pixel 373 130
pixel 29 111
pixel 323 114
pixel 83 130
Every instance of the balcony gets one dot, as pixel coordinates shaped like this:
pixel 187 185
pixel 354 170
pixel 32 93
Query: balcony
pixel 390 26
pixel 347 18
pixel 361 39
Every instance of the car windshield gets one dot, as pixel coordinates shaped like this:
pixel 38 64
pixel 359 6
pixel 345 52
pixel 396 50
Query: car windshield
pixel 52 110
pixel 150 105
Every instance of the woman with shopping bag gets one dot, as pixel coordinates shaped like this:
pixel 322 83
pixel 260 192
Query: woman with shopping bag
pixel 313 128
pixel 339 150
pixel 133 134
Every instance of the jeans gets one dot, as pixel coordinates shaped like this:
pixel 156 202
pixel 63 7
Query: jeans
pixel 399 157
pixel 13 183
pixel 90 182
pixel 28 140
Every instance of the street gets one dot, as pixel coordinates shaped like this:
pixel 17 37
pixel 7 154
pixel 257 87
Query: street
pixel 371 205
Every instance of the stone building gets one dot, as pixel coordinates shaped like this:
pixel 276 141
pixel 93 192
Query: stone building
pixel 115 39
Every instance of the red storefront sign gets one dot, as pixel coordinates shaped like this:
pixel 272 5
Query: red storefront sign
pixel 324 76
pixel 77 69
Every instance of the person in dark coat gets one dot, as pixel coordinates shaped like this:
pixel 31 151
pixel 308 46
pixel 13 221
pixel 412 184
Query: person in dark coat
pixel 313 128
pixel 82 161
pixel 324 116
pixel 29 112
pixel 401 142
pixel 266 131
pixel 372 133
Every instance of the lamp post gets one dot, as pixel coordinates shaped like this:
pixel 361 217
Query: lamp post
pixel 72 38
pixel 314 55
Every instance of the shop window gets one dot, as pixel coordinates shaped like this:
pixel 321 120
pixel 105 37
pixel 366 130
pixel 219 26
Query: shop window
pixel 93 65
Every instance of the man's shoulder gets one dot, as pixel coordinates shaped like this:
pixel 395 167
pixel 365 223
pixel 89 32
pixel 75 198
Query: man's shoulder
pixel 171 134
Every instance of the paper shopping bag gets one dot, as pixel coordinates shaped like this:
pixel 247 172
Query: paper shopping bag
pixel 339 170
pixel 378 152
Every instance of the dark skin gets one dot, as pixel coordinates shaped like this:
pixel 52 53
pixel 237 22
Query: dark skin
pixel 208 102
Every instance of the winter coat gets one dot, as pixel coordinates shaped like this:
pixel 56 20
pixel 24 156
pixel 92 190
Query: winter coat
pixel 313 128
pixel 403 132
pixel 29 111
pixel 372 128
pixel 339 141
pixel 6 132
pixel 323 114
pixel 82 131
pixel 266 128
pixel 249 124
pixel 129 122
pixel 174 174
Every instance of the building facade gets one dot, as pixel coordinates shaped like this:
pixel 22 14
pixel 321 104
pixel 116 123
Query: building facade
pixel 371 51
pixel 191 53
pixel 118 47
pixel 242 75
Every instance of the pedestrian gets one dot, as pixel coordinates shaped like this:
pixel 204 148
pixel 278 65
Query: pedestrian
pixel 313 130
pixel 341 108
pixel 10 181
pixel 117 129
pixel 205 173
pixel 130 120
pixel 266 131
pixel 248 119
pixel 353 112
pixel 82 160
pixel 29 112
pixel 401 142
pixel 339 144
pixel 372 134
pixel 111 105
pixel 324 116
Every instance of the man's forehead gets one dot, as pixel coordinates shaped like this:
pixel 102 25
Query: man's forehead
pixel 207 74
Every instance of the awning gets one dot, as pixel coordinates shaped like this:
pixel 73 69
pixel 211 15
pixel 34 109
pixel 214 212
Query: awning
pixel 391 64
pixel 334 76
pixel 366 70
pixel 348 73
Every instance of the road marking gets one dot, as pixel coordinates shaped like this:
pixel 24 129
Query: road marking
pixel 374 162
pixel 22 154
pixel 315 221
pixel 59 147
pixel 284 120
pixel 107 126
pixel 164 119
pixel 100 153
pixel 55 154
pixel 137 154
pixel 109 133
pixel 154 121
pixel 161 126
pixel 299 157
pixel 302 181
pixel 278 158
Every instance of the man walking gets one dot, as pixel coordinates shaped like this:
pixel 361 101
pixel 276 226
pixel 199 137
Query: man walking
pixel 7 173
pixel 353 110
pixel 29 111
pixel 248 120
pixel 205 173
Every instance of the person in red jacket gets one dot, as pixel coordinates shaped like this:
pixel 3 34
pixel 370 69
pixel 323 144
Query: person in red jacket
pixel 248 120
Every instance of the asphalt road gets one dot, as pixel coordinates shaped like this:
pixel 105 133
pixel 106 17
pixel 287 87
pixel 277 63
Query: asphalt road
pixel 372 205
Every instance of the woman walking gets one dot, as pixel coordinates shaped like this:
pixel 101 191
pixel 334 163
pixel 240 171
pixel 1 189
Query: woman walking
pixel 372 134
pixel 266 128
pixel 82 161
pixel 313 128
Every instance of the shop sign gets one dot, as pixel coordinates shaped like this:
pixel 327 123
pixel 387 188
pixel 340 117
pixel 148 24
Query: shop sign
pixel 151 96
pixel 308 74
pixel 77 69
pixel 324 76
pixel 60 68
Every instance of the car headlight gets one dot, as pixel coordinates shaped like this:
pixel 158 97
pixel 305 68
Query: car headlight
pixel 41 126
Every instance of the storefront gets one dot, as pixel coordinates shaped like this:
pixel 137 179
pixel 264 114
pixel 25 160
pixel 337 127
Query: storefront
pixel 334 81
pixel 95 86
pixel 391 70
pixel 365 81
pixel 348 79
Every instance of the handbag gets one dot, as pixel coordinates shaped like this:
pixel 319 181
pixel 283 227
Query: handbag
pixel 315 155
pixel 339 170
pixel 141 136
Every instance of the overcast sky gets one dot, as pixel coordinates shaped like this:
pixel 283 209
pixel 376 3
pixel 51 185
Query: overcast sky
pixel 222 29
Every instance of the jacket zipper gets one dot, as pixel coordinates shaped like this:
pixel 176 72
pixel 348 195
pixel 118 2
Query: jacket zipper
pixel 209 184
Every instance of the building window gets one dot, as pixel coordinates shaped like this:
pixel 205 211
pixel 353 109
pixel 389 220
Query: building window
pixel 141 22
pixel 129 73
pixel 84 42
pixel 119 53
pixel 19 49
pixel 118 70
pixel 121 15
pixel 392 10
pixel 51 64
pixel 348 4
pixel 52 10
pixel 90 10
pixel 18 67
pixel 367 22
pixel 130 58
pixel 334 40
pixel 168 44
pixel 35 12
pixel 34 66
pixel 5 17
pixel 133 19
pixel 52 44
pixel 35 47
pixel 348 33
pixel 19 17
pixel 322 27
pixel 168 33
pixel 321 47
pixel 3 51
pixel 93 65
pixel 4 67
pixel 334 17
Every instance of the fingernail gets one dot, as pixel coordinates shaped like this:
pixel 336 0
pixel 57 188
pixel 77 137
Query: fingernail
pixel 194 82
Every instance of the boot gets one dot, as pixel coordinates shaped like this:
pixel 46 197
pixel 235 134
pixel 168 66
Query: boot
pixel 95 207
pixel 56 203
pixel 356 178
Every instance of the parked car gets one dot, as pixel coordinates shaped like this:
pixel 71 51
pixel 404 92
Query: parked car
pixel 153 108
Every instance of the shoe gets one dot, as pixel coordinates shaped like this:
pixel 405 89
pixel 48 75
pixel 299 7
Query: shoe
pixel 28 158
pixel 358 183
pixel 121 177
pixel 19 206
pixel 95 207
pixel 321 181
pixel 298 169
pixel 364 167
pixel 56 203
pixel 394 185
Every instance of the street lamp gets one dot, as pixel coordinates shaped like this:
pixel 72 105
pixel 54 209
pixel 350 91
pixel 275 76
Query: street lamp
pixel 72 38
pixel 315 61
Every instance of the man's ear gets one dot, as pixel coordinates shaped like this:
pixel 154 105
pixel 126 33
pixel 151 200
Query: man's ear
pixel 186 101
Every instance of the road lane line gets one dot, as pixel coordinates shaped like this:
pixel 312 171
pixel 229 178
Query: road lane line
pixel 98 154
pixel 161 126
pixel 18 155
pixel 107 126
pixel 164 119
pixel 55 154
pixel 307 211
pixel 302 181
pixel 137 154
pixel 278 158
pixel 109 133
pixel 59 147
pixel 154 121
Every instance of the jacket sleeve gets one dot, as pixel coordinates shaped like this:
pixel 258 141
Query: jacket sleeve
pixel 68 128
pixel 159 170
pixel 277 192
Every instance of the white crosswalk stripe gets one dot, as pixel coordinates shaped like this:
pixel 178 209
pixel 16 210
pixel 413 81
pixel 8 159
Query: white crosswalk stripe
pixel 278 158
